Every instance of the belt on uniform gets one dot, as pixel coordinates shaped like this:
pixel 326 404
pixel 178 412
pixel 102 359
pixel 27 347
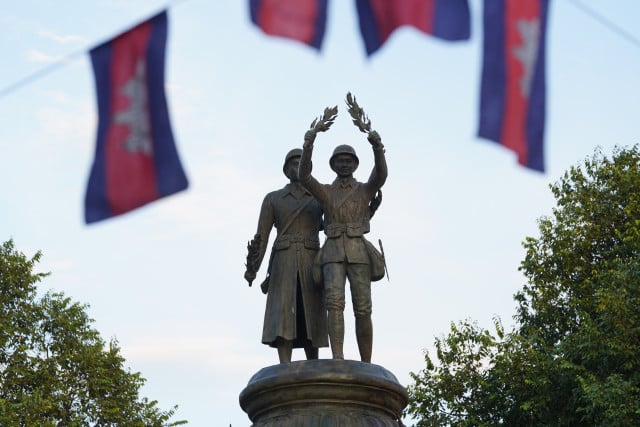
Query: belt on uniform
pixel 351 229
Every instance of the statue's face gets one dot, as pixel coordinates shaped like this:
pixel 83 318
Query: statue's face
pixel 291 169
pixel 344 165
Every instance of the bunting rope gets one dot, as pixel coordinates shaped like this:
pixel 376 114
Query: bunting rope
pixel 75 55
pixel 42 72
pixel 606 22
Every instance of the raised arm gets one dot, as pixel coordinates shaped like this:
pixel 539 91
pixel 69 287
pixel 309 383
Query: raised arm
pixel 379 173
pixel 304 169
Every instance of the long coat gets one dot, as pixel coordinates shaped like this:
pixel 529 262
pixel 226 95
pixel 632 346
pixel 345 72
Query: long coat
pixel 291 284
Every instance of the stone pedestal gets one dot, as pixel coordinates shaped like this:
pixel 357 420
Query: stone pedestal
pixel 327 393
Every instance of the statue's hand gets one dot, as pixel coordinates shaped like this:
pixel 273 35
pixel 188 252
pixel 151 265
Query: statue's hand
pixel 374 203
pixel 374 139
pixel 264 286
pixel 253 264
pixel 309 137
pixel 250 276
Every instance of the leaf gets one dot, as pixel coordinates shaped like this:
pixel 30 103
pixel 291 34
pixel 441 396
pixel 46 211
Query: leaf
pixel 572 357
pixel 324 122
pixel 358 115
pixel 55 369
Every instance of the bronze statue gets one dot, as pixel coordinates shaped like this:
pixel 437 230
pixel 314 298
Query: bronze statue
pixel 346 253
pixel 295 314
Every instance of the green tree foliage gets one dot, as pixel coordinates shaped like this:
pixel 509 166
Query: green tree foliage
pixel 55 370
pixel 573 358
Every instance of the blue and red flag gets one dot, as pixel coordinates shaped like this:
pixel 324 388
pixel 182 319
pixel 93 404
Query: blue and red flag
pixel 302 20
pixel 513 92
pixel 136 161
pixel 446 19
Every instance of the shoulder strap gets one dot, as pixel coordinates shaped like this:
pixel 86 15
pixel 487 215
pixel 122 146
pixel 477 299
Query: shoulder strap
pixel 294 215
pixel 347 196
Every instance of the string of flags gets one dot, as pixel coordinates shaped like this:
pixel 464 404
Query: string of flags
pixel 302 20
pixel 513 88
pixel 444 19
pixel 136 160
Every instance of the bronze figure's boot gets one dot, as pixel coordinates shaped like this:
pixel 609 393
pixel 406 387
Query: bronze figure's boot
pixel 364 334
pixel 311 352
pixel 336 333
pixel 285 348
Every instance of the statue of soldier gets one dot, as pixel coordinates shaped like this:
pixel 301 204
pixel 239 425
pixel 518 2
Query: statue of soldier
pixel 295 314
pixel 345 253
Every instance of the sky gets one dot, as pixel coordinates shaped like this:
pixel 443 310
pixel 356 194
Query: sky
pixel 167 281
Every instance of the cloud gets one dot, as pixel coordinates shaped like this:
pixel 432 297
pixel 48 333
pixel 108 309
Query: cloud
pixel 217 186
pixel 33 55
pixel 59 97
pixel 212 351
pixel 74 123
pixel 62 39
pixel 173 87
pixel 64 128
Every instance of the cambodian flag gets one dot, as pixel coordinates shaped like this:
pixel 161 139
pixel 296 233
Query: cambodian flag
pixel 513 93
pixel 136 161
pixel 445 19
pixel 302 20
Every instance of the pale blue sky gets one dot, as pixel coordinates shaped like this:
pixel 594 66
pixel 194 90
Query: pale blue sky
pixel 166 280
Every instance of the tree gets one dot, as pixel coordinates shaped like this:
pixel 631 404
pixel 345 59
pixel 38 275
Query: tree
pixel 572 358
pixel 55 370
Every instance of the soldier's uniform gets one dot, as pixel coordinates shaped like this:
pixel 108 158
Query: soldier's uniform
pixel 295 308
pixel 344 254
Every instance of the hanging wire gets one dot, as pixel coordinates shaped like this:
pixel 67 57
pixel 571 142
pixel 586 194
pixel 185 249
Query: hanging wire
pixel 606 22
pixel 73 56
pixel 42 72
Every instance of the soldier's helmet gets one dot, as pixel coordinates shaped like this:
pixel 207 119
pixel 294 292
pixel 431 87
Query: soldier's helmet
pixel 344 149
pixel 296 152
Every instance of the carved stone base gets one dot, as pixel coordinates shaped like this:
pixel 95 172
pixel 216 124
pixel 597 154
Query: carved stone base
pixel 325 393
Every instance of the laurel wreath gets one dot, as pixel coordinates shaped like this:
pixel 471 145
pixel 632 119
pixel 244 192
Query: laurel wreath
pixel 360 119
pixel 358 116
pixel 253 248
pixel 324 122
